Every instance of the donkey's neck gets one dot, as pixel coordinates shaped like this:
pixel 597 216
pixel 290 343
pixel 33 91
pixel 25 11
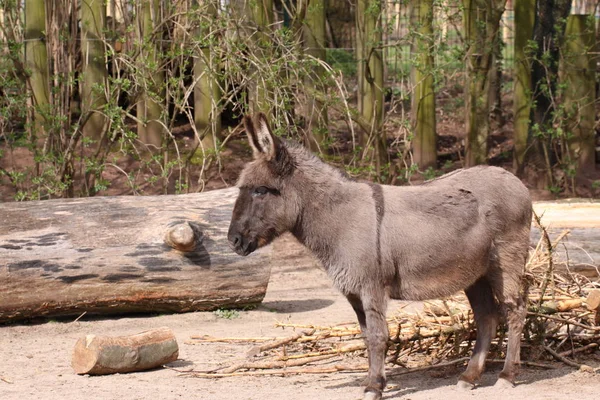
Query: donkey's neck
pixel 324 205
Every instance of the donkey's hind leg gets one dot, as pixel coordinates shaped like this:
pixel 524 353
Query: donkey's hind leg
pixel 509 286
pixel 485 310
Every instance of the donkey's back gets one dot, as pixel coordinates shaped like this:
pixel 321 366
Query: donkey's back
pixel 442 236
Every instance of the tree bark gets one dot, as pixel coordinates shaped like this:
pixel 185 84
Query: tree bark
pixel 549 28
pixel 94 72
pixel 149 108
pixel 481 24
pixel 36 62
pixel 207 92
pixel 114 255
pixel 315 43
pixel 593 300
pixel 370 34
pixel 524 20
pixel 262 13
pixel 579 79
pixel 101 355
pixel 423 98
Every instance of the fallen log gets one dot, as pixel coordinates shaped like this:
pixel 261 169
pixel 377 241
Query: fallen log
pixel 101 355
pixel 593 300
pixel 593 303
pixel 581 248
pixel 114 255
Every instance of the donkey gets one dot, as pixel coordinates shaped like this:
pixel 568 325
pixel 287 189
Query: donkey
pixel 468 230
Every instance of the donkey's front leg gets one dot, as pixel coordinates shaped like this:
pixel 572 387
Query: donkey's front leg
pixel 374 305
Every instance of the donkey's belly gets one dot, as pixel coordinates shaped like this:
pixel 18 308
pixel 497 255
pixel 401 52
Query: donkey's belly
pixel 434 276
pixel 432 287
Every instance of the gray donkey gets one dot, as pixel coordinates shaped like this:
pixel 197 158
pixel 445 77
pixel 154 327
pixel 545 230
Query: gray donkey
pixel 468 230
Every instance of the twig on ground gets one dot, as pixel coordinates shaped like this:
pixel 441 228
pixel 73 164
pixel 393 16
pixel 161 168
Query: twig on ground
pixel 277 343
pixel 561 358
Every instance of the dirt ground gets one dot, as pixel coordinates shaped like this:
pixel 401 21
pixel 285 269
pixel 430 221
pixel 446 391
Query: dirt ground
pixel 35 358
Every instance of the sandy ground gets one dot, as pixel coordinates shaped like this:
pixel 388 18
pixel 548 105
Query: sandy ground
pixel 35 358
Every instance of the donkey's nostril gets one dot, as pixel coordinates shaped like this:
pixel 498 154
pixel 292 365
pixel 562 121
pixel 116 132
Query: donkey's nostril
pixel 235 239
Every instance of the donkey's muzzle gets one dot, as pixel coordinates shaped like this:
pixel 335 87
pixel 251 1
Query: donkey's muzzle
pixel 241 245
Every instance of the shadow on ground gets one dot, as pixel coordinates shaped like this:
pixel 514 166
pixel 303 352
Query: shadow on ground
pixel 295 306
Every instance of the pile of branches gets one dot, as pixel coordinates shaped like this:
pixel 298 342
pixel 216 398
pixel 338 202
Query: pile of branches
pixel 563 323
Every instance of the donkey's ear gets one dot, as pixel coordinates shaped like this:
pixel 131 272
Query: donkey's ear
pixel 262 141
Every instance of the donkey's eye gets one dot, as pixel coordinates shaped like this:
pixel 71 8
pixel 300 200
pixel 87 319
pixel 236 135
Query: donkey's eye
pixel 260 191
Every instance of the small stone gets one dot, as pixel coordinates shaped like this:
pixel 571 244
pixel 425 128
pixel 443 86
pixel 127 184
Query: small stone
pixel 587 368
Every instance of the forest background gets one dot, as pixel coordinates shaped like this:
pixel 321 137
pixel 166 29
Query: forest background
pixel 114 97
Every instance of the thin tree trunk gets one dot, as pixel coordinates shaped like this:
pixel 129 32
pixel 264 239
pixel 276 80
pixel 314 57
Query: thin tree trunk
pixel 579 79
pixel 3 50
pixel 262 12
pixel 149 109
pixel 93 19
pixel 36 62
pixel 524 20
pixel 358 55
pixel 314 42
pixel 423 98
pixel 207 92
pixel 481 24
pixel 495 78
pixel 368 16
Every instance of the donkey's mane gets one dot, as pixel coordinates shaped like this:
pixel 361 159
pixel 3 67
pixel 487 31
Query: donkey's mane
pixel 310 164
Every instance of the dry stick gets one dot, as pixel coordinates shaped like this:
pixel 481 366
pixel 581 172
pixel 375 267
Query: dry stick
pixel 549 249
pixel 274 364
pixel 343 349
pixel 211 339
pixel 317 327
pixel 259 349
pixel 561 358
pixel 567 321
pixel 578 350
pixel 284 372
pixel 428 367
pixel 527 363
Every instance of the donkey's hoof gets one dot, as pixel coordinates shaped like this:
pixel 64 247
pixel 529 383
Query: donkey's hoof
pixel 464 385
pixel 502 383
pixel 371 395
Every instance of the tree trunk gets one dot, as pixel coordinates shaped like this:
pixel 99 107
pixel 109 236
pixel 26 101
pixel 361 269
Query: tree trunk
pixel 149 108
pixel 315 43
pixel 423 98
pixel 579 79
pixel 481 24
pixel 547 33
pixel 94 73
pixel 36 62
pixel 370 33
pixel 524 20
pixel 113 255
pixel 101 355
pixel 262 12
pixel 495 78
pixel 207 92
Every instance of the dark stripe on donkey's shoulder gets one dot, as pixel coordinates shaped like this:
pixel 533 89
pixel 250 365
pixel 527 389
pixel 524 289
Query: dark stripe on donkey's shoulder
pixel 379 212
